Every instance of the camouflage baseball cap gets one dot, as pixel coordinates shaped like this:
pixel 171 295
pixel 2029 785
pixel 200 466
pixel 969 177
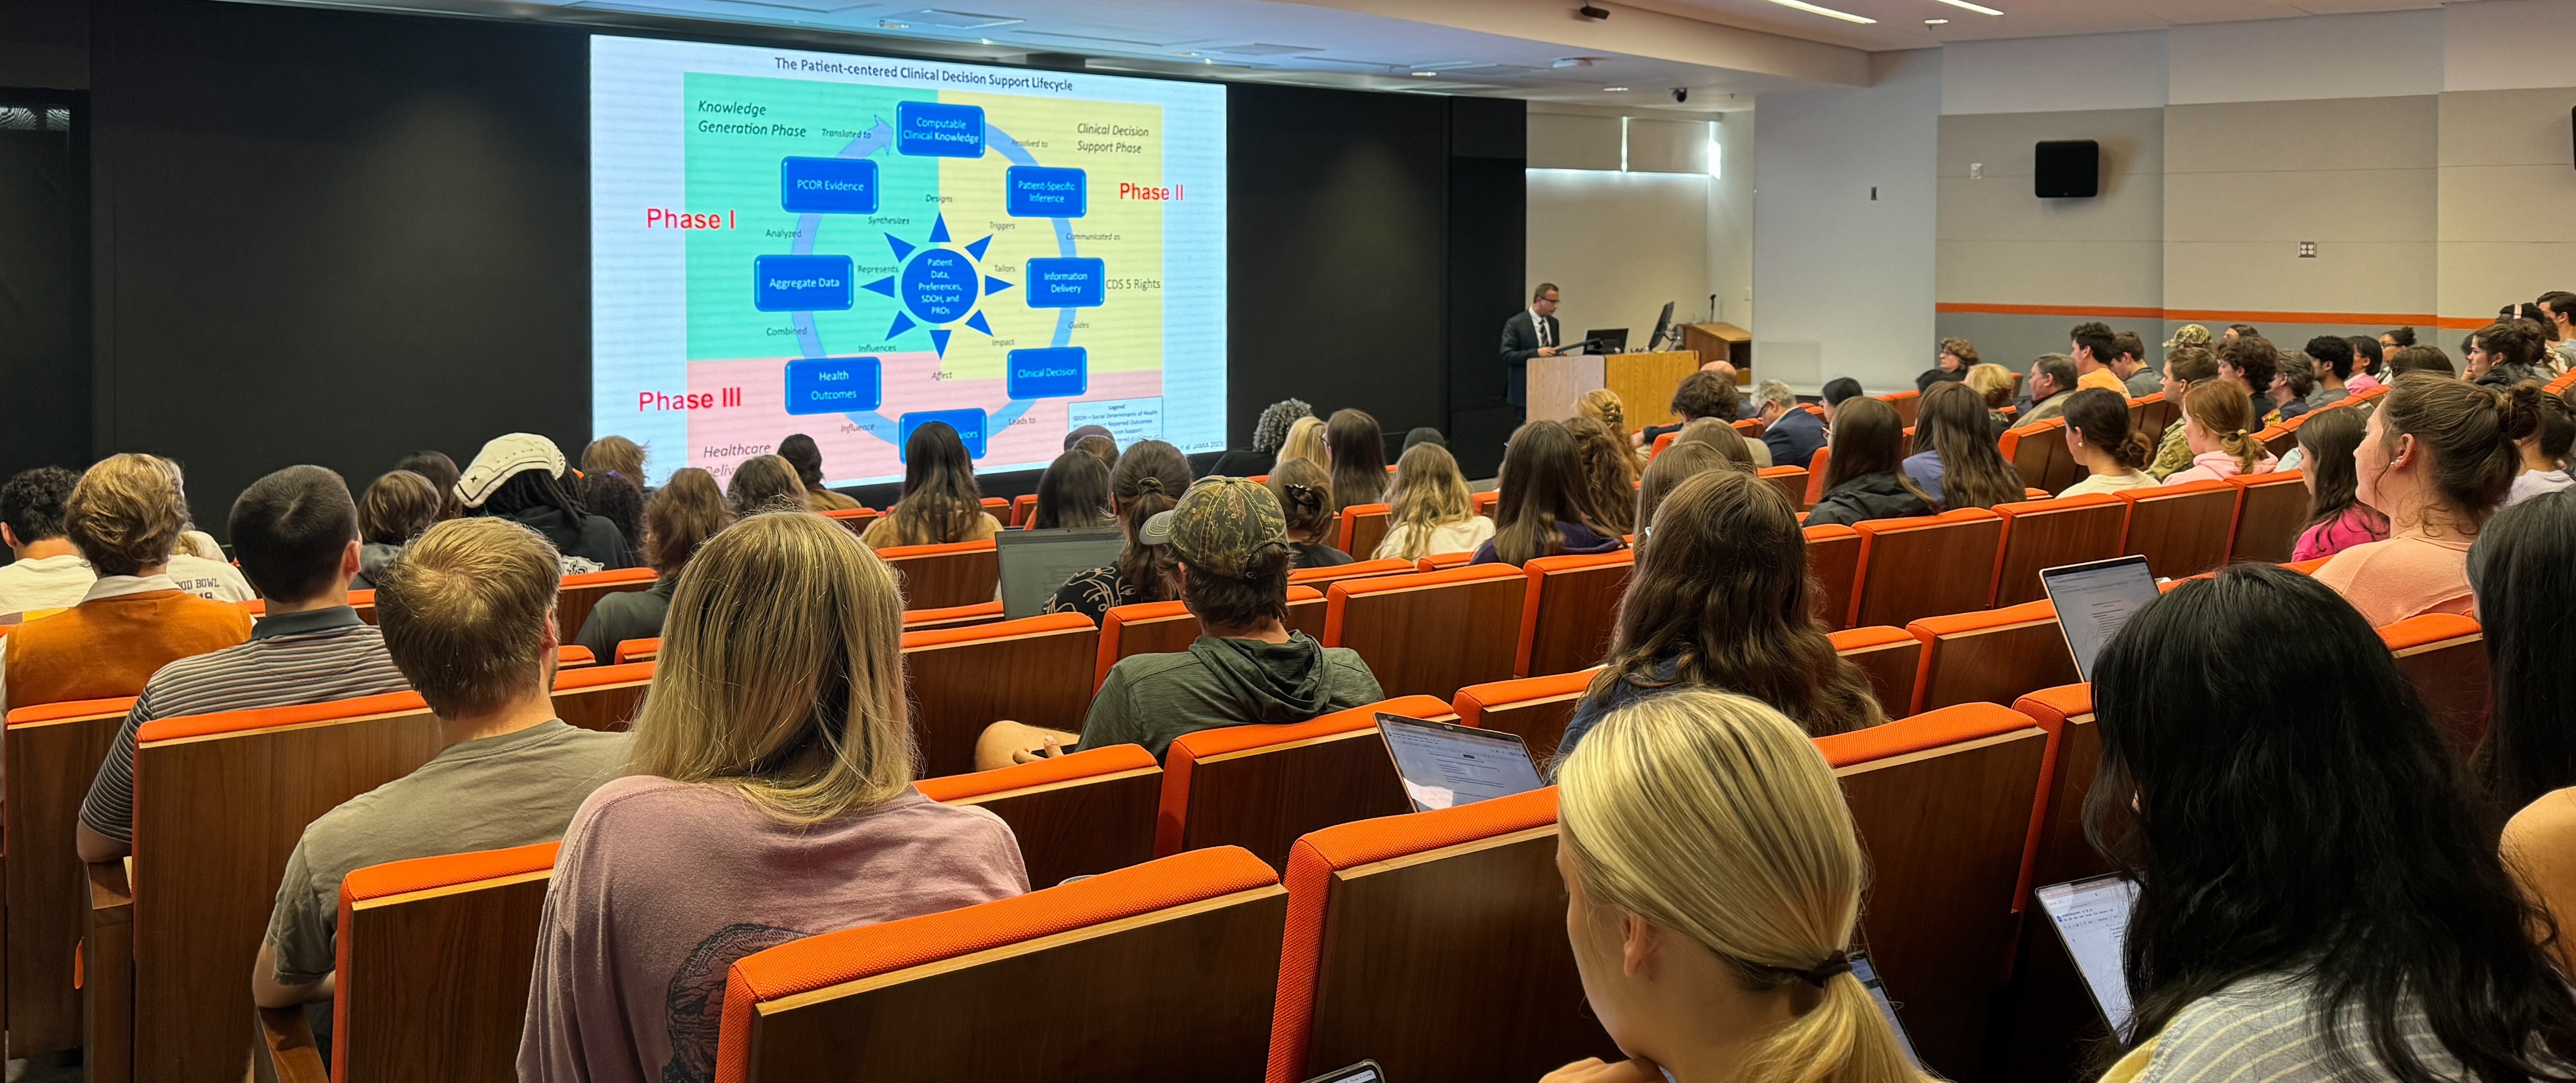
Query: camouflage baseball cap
pixel 1222 526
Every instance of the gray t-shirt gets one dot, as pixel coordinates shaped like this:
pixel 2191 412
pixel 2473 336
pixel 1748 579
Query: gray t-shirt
pixel 1149 699
pixel 517 789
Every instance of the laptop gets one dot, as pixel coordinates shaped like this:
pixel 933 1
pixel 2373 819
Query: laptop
pixel 1034 563
pixel 2094 600
pixel 1444 765
pixel 2092 920
pixel 1610 340
pixel 1868 976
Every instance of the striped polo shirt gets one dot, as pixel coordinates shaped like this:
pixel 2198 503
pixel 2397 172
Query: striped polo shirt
pixel 292 658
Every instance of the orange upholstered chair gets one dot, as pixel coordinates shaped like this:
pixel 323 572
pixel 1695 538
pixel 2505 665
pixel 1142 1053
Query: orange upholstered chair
pixel 2047 533
pixel 2271 510
pixel 1434 944
pixel 602 697
pixel 1260 787
pixel 431 978
pixel 1890 656
pixel 1363 526
pixel 957 616
pixel 1035 670
pixel 1430 633
pixel 1534 709
pixel 1990 656
pixel 1320 578
pixel 1940 920
pixel 2445 656
pixel 576 594
pixel 1833 559
pixel 913 1000
pixel 1792 483
pixel 53 750
pixel 945 576
pixel 2182 530
pixel 1921 566
pixel 1075 815
pixel 1567 614
pixel 2039 453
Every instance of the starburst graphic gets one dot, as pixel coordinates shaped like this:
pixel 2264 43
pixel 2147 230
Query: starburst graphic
pixel 939 285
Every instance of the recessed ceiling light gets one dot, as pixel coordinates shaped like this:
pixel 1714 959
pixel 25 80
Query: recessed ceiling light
pixel 1826 12
pixel 1979 9
pixel 1614 89
pixel 1936 22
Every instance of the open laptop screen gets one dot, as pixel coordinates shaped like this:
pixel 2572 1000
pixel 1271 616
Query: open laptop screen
pixel 1443 765
pixel 2094 600
pixel 2092 920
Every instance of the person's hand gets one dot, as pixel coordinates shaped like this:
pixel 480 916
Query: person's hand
pixel 1547 351
pixel 1591 1070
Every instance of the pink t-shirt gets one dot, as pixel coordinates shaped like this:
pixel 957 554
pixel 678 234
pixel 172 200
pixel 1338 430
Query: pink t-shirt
pixel 662 885
pixel 2405 576
pixel 2352 526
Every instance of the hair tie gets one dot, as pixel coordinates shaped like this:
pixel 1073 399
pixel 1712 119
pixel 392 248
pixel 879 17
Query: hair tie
pixel 1823 972
pixel 1149 485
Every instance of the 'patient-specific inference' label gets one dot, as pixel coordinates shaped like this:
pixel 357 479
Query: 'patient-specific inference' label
pixel 1067 282
pixel 801 283
pixel 939 130
pixel 1036 191
pixel 827 185
pixel 833 385
pixel 1059 372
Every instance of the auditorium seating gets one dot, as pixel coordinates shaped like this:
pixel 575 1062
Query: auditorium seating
pixel 578 593
pixel 1261 787
pixel 1035 670
pixel 1168 628
pixel 1918 567
pixel 1990 656
pixel 1569 610
pixel 1077 814
pixel 219 802
pixel 431 977
pixel 1362 527
pixel 2048 533
pixel 2182 530
pixel 1939 921
pixel 1319 578
pixel 1534 709
pixel 52 751
pixel 1792 483
pixel 2271 510
pixel 1434 944
pixel 1092 961
pixel 1430 633
pixel 944 576
pixel 1889 657
pixel 2039 453
pixel 602 697
pixel 2444 656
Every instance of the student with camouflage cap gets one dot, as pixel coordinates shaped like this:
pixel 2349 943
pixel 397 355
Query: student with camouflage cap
pixel 1246 666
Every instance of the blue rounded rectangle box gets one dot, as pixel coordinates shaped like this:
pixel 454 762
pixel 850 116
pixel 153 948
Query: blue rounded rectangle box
pixel 1067 282
pixel 800 283
pixel 1036 191
pixel 968 423
pixel 834 385
pixel 939 130
pixel 1059 372
pixel 827 185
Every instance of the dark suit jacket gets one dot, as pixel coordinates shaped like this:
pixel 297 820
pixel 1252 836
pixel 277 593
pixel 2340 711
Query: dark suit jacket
pixel 1520 343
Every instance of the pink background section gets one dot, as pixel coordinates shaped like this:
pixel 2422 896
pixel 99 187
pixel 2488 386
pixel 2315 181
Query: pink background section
pixel 756 427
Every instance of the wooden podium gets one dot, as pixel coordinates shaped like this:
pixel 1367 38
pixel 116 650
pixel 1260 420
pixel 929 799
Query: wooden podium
pixel 1644 381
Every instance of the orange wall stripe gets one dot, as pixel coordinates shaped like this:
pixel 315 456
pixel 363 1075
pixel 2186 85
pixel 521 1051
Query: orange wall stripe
pixel 2221 316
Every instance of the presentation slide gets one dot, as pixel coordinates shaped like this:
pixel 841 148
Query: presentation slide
pixel 850 247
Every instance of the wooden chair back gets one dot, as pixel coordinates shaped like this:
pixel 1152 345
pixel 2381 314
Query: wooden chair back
pixel 53 750
pixel 2182 530
pixel 1363 526
pixel 1430 633
pixel 1534 709
pixel 1262 787
pixel 2047 533
pixel 1035 670
pixel 1833 561
pixel 2444 655
pixel 1990 656
pixel 1940 921
pixel 1890 657
pixel 1168 628
pixel 434 960
pixel 1321 578
pixel 945 576
pixel 1434 944
pixel 1569 611
pixel 602 697
pixel 577 594
pixel 1918 567
pixel 219 802
pixel 2271 511
pixel 1792 483
pixel 1079 814
pixel 912 1001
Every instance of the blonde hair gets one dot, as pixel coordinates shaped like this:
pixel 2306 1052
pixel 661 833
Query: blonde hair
pixel 781 674
pixel 464 613
pixel 1305 441
pixel 126 514
pixel 1429 493
pixel 1713 817
pixel 1603 405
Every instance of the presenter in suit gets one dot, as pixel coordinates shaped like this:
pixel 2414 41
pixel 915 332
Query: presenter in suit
pixel 1530 333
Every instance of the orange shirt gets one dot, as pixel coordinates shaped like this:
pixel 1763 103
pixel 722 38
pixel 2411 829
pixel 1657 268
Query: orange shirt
pixel 108 646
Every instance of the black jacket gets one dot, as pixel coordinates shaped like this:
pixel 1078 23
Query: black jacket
pixel 1869 496
pixel 1520 343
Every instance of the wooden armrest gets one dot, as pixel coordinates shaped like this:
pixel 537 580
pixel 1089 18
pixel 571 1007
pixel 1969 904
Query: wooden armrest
pixel 111 894
pixel 286 1053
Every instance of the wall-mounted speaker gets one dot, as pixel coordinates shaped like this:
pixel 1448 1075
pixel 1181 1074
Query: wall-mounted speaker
pixel 2067 169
